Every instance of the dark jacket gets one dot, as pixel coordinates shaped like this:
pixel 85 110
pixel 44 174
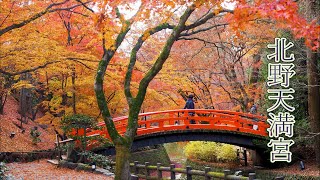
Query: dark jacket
pixel 189 105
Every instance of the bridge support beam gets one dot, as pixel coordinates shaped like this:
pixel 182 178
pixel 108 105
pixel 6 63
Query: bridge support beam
pixel 257 158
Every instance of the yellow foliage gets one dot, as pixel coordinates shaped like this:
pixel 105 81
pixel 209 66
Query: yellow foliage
pixel 210 151
pixel 22 84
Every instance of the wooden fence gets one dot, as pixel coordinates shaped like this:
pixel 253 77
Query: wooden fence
pixel 207 173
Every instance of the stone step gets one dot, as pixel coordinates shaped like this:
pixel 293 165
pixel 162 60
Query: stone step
pixel 53 161
pixel 104 171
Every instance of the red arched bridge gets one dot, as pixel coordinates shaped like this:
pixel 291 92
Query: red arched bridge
pixel 190 125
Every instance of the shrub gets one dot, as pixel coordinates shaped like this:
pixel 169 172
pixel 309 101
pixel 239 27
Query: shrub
pixel 210 151
pixel 100 160
pixel 3 169
pixel 78 122
pixel 227 153
pixel 35 135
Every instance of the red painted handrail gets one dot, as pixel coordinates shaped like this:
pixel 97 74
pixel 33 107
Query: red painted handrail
pixel 171 120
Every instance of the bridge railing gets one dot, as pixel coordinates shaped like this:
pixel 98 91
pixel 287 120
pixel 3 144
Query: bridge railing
pixel 183 119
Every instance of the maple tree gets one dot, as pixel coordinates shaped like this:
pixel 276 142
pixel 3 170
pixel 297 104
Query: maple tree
pixel 17 14
pixel 128 52
pixel 228 75
pixel 122 142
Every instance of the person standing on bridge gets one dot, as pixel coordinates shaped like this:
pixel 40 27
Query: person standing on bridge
pixel 253 109
pixel 190 105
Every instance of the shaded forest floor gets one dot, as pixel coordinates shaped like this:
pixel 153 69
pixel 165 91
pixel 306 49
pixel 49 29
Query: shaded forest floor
pixel 311 168
pixel 21 142
pixel 44 170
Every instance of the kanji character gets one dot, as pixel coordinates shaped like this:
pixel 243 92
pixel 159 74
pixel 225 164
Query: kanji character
pixel 280 99
pixel 281 47
pixel 281 124
pixel 280 74
pixel 280 150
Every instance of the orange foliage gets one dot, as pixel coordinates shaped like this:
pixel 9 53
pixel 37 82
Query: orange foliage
pixel 74 40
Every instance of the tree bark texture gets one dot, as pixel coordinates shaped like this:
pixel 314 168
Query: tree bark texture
pixel 74 91
pixel 314 100
pixel 122 162
pixel 312 12
pixel 123 143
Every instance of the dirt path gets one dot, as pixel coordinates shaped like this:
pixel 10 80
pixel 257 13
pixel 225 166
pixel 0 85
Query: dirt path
pixel 45 171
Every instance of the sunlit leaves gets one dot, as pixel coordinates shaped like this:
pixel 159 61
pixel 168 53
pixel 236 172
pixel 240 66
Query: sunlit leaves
pixel 283 12
pixel 22 84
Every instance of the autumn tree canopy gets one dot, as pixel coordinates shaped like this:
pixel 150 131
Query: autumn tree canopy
pixel 104 58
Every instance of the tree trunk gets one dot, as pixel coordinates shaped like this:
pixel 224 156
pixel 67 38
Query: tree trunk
pixel 314 100
pixel 74 91
pixel 254 78
pixel 1 108
pixel 23 101
pixel 123 144
pixel 84 146
pixel 122 162
pixel 3 99
pixel 34 112
pixel 64 95
pixel 312 12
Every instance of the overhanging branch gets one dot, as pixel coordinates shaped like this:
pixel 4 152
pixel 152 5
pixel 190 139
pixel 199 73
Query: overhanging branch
pixel 133 57
pixel 38 15
pixel 203 30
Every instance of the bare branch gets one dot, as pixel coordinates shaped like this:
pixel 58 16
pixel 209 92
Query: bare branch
pixel 133 57
pixel 229 93
pixel 4 20
pixel 84 5
pixel 28 70
pixel 203 30
pixel 77 60
pixel 205 19
pixel 38 15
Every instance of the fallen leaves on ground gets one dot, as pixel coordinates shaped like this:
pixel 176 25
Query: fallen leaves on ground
pixel 43 170
pixel 21 142
pixel 311 169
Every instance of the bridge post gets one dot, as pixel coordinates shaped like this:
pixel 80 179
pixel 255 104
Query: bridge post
pixel 159 172
pixel 257 157
pixel 135 167
pixel 172 173
pixel 189 175
pixel 245 157
pixel 206 170
pixel 148 124
pixel 252 176
pixel 147 170
pixel 226 173
pixel 134 177
pixel 161 124
pixel 171 121
pixel 279 178
pixel 237 122
pixel 186 119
